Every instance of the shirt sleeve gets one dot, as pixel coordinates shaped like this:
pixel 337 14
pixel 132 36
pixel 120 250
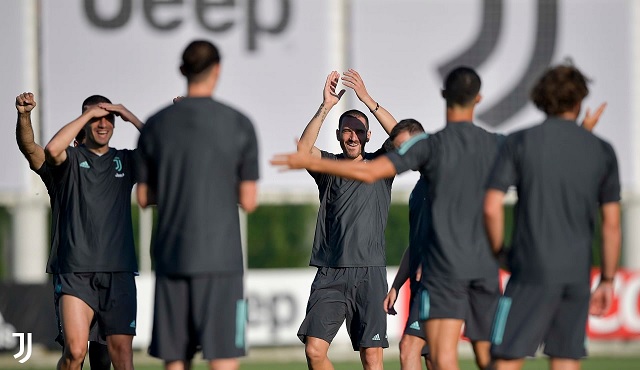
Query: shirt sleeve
pixel 610 187
pixel 504 173
pixel 60 172
pixel 319 177
pixel 249 166
pixel 413 154
pixel 144 172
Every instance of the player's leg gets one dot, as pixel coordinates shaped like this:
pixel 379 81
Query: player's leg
pixel 121 351
pixel 99 356
pixel 484 295
pixel 523 318
pixel 444 304
pixel 565 341
pixel 117 315
pixel 222 341
pixel 76 318
pixel 171 332
pixel 371 358
pixel 413 344
pixel 411 352
pixel 366 318
pixel 326 311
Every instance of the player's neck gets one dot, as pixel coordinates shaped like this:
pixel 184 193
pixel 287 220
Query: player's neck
pixel 96 148
pixel 199 91
pixel 459 114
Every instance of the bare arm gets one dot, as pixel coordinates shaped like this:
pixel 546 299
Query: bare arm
pixel 248 195
pixel 370 171
pixel 602 297
pixel 145 195
pixel 55 151
pixel 121 111
pixel 352 79
pixel 33 152
pixel 494 219
pixel 329 100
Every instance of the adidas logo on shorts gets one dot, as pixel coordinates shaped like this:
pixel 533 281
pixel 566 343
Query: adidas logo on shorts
pixel 376 337
pixel 415 325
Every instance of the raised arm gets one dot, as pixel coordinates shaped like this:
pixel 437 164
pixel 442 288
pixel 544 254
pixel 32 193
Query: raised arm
pixel 55 151
pixel 365 171
pixel 121 111
pixel 33 152
pixel 309 136
pixel 602 297
pixel 352 79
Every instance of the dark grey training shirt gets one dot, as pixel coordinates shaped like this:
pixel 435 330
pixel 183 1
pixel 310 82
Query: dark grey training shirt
pixel 456 162
pixel 351 219
pixel 562 173
pixel 47 178
pixel 94 225
pixel 194 155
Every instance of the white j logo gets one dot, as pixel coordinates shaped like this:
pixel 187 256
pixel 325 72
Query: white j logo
pixel 21 351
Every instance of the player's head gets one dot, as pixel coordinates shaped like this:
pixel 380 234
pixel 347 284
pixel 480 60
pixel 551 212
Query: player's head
pixel 561 89
pixel 98 131
pixel 403 131
pixel 461 88
pixel 198 60
pixel 353 133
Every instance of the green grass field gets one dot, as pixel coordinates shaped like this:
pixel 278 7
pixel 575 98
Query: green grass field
pixel 595 363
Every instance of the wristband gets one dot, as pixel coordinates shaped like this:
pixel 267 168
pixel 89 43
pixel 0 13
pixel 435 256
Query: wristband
pixel 376 109
pixel 604 279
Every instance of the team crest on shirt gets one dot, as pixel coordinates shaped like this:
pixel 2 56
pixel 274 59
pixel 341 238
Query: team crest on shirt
pixel 118 163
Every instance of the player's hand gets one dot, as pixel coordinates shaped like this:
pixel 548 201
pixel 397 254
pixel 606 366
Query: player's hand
pixel 601 299
pixel 419 272
pixel 177 98
pixel 119 110
pixel 291 161
pixel 389 301
pixel 590 120
pixel 329 96
pixel 352 79
pixel 25 102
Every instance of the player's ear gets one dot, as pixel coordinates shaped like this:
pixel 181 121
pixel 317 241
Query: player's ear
pixel 368 136
pixel 478 98
pixel 338 134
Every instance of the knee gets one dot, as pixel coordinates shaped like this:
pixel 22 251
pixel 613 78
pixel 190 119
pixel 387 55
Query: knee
pixel 372 358
pixel 75 352
pixel 405 349
pixel 445 361
pixel 314 353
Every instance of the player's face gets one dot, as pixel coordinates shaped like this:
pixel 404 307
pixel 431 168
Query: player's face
pixel 100 130
pixel 353 135
pixel 401 138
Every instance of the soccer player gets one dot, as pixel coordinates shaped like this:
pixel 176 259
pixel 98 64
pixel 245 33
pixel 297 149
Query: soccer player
pixel 95 262
pixel 349 244
pixel 34 153
pixel 413 344
pixel 563 176
pixel 461 284
pixel 199 162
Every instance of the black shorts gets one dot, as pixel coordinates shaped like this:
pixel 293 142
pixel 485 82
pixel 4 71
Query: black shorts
pixel 414 326
pixel 111 296
pixel 205 312
pixel 352 293
pixel 474 301
pixel 94 331
pixel 531 314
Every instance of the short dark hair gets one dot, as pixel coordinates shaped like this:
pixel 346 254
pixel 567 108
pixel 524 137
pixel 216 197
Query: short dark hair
pixel 411 125
pixel 93 100
pixel 461 86
pixel 559 90
pixel 355 114
pixel 80 136
pixel 198 58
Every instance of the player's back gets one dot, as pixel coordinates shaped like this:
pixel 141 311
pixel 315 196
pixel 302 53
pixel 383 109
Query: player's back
pixel 202 151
